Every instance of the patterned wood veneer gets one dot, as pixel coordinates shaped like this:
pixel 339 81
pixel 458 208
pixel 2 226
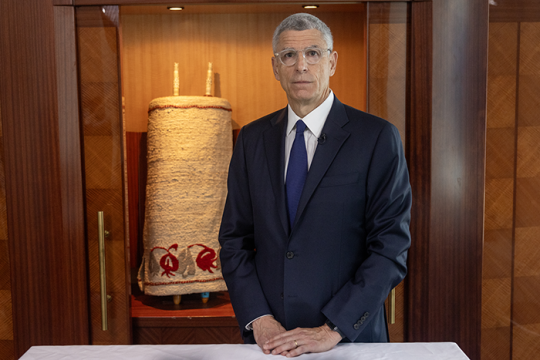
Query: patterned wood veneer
pixel 499 201
pixel 526 309
pixel 103 160
pixel 511 285
pixel 386 93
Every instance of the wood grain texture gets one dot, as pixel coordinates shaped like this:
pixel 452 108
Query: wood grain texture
pixel 40 246
pixel 69 139
pixel 458 162
pixel 6 317
pixel 496 344
pixel 136 166
pixel 446 161
pixel 387 87
pixel 498 262
pixel 175 2
pixel 156 320
pixel 418 153
pixel 387 83
pixel 103 163
pixel 509 309
pixel 514 11
pixel 239 47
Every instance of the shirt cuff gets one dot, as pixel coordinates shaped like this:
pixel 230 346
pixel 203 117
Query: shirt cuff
pixel 249 326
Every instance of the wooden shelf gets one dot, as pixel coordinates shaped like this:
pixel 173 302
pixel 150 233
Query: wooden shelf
pixel 146 309
pixel 157 320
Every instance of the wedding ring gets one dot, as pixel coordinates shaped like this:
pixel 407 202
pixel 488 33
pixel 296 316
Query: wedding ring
pixel 295 343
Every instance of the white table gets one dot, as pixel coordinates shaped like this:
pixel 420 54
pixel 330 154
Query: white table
pixel 376 351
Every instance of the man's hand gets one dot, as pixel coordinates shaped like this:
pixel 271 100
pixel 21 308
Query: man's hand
pixel 303 340
pixel 266 328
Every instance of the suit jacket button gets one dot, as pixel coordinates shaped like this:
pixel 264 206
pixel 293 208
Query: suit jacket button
pixel 281 296
pixel 356 326
pixel 290 254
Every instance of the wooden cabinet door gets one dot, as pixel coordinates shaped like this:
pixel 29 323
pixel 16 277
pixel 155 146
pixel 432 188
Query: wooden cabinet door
pixel 103 138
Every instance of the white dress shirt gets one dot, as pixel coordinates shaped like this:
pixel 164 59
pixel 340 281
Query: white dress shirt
pixel 314 123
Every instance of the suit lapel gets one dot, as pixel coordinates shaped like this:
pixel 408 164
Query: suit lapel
pixel 325 153
pixel 274 145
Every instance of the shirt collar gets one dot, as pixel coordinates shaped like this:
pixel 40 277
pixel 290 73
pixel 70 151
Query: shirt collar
pixel 315 119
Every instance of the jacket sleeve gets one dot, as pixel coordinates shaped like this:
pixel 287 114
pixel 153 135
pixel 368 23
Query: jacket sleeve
pixel 236 238
pixel 387 218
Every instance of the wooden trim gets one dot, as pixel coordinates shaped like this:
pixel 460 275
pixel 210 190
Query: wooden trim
pixel 447 117
pixel 70 147
pixel 175 2
pixel 418 152
pixel 460 41
pixel 515 11
pixel 47 287
pixel 62 2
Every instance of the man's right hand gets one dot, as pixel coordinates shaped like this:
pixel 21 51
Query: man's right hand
pixel 266 328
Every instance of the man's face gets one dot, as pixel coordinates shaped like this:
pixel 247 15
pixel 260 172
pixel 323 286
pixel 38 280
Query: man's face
pixel 306 85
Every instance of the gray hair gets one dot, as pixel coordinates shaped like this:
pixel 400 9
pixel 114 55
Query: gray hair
pixel 303 21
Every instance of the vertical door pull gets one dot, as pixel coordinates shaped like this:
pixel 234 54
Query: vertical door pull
pixel 102 273
pixel 393 306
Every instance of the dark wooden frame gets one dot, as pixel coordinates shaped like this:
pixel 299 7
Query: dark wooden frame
pixel 446 150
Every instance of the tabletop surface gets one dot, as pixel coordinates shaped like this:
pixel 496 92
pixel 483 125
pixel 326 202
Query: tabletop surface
pixel 364 351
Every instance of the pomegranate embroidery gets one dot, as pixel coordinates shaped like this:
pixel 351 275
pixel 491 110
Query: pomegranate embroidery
pixel 205 259
pixel 183 263
pixel 168 262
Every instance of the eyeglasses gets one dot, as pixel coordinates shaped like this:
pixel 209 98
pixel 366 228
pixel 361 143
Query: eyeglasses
pixel 312 55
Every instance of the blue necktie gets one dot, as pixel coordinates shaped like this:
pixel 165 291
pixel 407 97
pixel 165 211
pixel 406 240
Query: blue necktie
pixel 296 171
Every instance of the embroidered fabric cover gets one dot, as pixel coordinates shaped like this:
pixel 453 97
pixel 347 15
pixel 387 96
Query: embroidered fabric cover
pixel 189 150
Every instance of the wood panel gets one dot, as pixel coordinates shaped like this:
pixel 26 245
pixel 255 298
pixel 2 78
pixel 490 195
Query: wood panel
pixel 387 88
pixel 418 153
pixel 239 47
pixel 514 11
pixel 526 289
pixel 444 281
pixel 40 245
pixel 136 183
pixel 511 272
pixel 6 317
pixel 104 168
pixel 458 163
pixel 175 2
pixel 157 320
pixel 497 275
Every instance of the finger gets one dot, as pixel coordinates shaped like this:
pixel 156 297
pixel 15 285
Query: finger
pixel 297 351
pixel 286 346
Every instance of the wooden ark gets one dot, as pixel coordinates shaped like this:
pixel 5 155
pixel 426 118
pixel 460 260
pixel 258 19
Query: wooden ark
pixel 62 116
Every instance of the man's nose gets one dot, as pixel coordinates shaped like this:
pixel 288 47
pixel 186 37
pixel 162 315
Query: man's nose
pixel 301 63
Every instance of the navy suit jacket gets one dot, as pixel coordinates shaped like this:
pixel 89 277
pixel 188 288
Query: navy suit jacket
pixel 348 246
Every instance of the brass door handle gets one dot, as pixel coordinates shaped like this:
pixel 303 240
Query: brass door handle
pixel 392 301
pixel 102 272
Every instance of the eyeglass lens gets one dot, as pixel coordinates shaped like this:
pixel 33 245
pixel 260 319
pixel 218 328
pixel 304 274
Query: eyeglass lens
pixel 290 57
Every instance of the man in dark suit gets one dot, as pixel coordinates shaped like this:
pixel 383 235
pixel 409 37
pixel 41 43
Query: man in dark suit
pixel 315 230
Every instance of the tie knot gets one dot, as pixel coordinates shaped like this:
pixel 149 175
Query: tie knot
pixel 300 126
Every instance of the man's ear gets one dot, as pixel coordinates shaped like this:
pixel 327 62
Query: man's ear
pixel 275 68
pixel 333 62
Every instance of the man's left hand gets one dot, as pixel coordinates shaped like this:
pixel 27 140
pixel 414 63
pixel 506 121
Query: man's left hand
pixel 303 340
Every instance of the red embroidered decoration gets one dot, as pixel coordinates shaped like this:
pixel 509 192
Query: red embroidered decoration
pixel 205 259
pixel 168 262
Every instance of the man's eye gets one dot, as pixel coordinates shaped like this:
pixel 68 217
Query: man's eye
pixel 288 55
pixel 312 53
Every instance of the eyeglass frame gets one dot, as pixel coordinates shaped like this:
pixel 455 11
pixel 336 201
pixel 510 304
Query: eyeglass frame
pixel 303 51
